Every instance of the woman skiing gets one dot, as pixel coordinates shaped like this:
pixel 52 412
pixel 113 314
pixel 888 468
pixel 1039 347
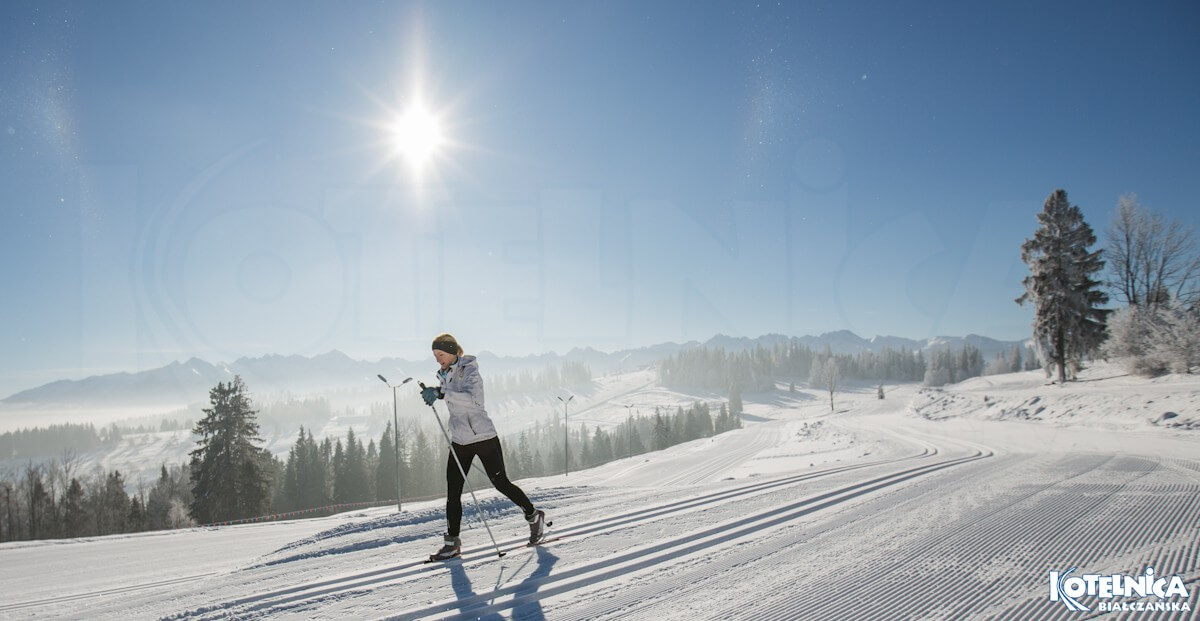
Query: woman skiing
pixel 472 434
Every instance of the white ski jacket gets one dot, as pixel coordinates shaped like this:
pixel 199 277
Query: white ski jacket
pixel 462 389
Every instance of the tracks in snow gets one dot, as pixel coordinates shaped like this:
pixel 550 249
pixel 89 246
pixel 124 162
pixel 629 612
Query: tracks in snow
pixel 290 596
pixel 65 599
pixel 648 556
pixel 1100 511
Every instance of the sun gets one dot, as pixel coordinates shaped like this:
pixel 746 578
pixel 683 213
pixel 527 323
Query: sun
pixel 417 135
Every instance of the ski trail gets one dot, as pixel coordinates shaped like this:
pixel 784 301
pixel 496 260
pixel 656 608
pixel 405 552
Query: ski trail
pixel 644 557
pixel 416 568
pixel 114 591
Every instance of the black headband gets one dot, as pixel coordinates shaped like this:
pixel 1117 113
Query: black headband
pixel 450 347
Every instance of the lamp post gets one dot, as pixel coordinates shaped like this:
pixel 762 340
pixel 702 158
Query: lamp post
pixel 566 448
pixel 396 432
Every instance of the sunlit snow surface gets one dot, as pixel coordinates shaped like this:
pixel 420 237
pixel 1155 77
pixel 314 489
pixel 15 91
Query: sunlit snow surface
pixel 928 504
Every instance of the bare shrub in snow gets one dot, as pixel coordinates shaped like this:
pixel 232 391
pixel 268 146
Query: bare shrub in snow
pixel 1154 341
pixel 826 375
pixel 937 376
pixel 1178 342
pixel 177 515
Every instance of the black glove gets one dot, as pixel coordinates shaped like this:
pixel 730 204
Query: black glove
pixel 430 394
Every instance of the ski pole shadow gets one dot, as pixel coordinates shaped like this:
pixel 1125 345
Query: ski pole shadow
pixel 464 592
pixel 526 604
pixel 532 607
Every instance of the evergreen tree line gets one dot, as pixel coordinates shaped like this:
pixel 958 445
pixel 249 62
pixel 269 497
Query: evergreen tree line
pixel 333 471
pixel 54 440
pixel 947 367
pixel 72 438
pixel 51 501
pixel 718 370
pixel 1017 359
pixel 566 375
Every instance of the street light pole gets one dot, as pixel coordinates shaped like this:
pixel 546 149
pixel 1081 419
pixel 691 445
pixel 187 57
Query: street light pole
pixel 396 433
pixel 566 448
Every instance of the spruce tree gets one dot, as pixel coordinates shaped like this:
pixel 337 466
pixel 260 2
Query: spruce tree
pixel 341 486
pixel 74 512
pixel 423 469
pixel 228 478
pixel 525 466
pixel 159 502
pixel 385 472
pixel 358 487
pixel 1067 321
pixel 661 433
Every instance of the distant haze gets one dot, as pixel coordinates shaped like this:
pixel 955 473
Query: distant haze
pixel 184 383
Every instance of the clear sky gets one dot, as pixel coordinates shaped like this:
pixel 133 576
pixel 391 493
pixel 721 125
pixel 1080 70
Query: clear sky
pixel 218 179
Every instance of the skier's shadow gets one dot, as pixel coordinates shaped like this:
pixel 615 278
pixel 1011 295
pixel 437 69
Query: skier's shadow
pixel 531 609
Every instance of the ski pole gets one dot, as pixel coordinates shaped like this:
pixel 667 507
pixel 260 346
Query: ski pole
pixel 463 471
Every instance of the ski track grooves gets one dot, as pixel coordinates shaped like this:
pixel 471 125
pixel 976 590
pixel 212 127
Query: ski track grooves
pixel 703 471
pixel 624 563
pixel 1063 520
pixel 697 578
pixel 113 591
pixel 309 591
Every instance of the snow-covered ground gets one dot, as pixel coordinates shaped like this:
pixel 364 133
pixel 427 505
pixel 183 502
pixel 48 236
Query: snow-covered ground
pixel 927 504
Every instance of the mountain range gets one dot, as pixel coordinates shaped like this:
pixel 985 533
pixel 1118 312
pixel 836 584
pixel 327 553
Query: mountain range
pixel 181 383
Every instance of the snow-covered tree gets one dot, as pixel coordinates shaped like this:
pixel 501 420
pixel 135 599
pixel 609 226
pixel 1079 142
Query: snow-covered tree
pixel 1151 261
pixel 228 475
pixel 1151 341
pixel 1068 321
pixel 735 400
pixel 825 375
pixel 936 374
pixel 1180 345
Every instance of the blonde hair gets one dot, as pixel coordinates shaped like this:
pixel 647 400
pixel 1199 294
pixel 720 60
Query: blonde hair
pixel 446 338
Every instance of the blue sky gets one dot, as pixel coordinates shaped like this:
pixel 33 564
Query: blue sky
pixel 216 179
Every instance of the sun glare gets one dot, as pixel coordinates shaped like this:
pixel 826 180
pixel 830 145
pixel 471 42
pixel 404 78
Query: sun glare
pixel 417 136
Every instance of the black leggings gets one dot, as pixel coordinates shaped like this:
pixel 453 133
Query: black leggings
pixel 492 459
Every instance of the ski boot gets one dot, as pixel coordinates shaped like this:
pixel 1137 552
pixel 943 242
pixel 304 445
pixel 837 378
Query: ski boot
pixel 537 526
pixel 451 548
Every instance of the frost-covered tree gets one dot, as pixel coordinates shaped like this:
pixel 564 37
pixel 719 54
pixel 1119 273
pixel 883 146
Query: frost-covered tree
pixel 228 465
pixel 1180 345
pixel 1152 341
pixel 825 375
pixel 1151 261
pixel 735 400
pixel 937 373
pixel 1068 321
pixel 1131 334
